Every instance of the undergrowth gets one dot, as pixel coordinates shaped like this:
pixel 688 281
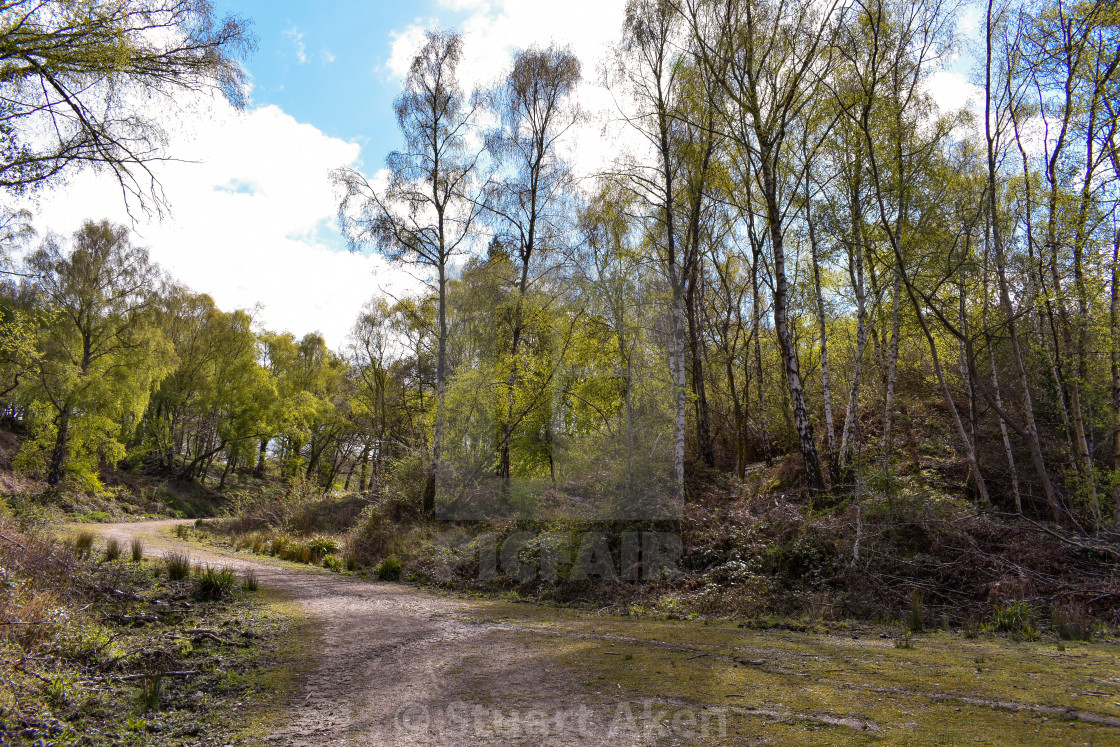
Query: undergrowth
pixel 97 651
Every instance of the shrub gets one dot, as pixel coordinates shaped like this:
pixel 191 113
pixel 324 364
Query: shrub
pixel 1015 618
pixel 1072 623
pixel 389 569
pixel 333 562
pixel 321 546
pixel 182 531
pixel 112 549
pixel 178 565
pixel 256 542
pixel 249 580
pixel 83 543
pixel 137 550
pixel 351 561
pixel 213 583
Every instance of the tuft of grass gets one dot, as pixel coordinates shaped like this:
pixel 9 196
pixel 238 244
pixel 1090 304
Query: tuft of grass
pixel 1015 618
pixel 916 618
pixel 321 545
pixel 333 562
pixel 906 641
pixel 211 583
pixel 389 569
pixel 1072 623
pixel 112 549
pixel 351 561
pixel 178 565
pixel 83 543
pixel 277 546
pixel 249 580
pixel 257 544
pixel 183 531
pixel 149 692
pixel 137 550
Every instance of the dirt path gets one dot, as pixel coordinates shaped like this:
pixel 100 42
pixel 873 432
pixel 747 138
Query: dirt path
pixel 403 667
pixel 399 666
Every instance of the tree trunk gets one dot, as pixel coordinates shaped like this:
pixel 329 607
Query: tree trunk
pixel 696 354
pixel 259 471
pixel 429 501
pixel 1031 427
pixel 831 452
pixel 803 425
pixel 891 374
pixel 855 257
pixel 61 443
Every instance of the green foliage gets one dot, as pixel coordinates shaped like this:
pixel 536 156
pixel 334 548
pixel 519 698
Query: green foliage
pixel 112 549
pixel 249 580
pixel 137 548
pixel 99 354
pixel 333 562
pixel 1017 619
pixel 321 546
pixel 211 584
pixel 389 569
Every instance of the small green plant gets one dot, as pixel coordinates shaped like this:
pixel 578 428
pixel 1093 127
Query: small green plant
pixel 389 569
pixel 112 549
pixel 333 562
pixel 904 642
pixel 137 550
pixel 916 618
pixel 1015 618
pixel 149 692
pixel 1072 623
pixel 83 543
pixel 249 580
pixel 320 545
pixel 256 542
pixel 55 690
pixel 178 565
pixel 351 561
pixel 182 531
pixel 972 628
pixel 211 583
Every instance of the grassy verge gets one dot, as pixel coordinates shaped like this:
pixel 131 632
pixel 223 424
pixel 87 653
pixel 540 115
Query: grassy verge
pixel 97 649
pixel 852 685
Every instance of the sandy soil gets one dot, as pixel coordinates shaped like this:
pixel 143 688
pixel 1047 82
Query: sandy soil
pixel 402 667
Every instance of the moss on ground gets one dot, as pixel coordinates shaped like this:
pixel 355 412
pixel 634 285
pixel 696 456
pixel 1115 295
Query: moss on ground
pixel 843 687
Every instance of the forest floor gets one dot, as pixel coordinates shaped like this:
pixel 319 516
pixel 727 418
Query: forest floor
pixel 394 664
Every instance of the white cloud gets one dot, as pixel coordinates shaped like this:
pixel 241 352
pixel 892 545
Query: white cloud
pixel 297 39
pixel 405 44
pixel 493 30
pixel 952 91
pixel 326 56
pixel 253 219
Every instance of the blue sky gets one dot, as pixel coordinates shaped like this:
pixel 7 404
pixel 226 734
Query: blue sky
pixel 326 64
